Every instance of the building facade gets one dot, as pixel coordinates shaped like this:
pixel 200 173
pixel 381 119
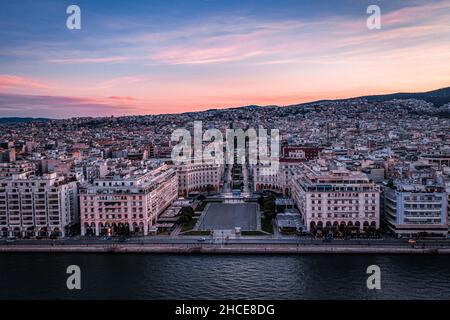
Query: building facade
pixel 198 177
pixel 279 179
pixel 16 168
pixel 127 202
pixel 42 206
pixel 336 198
pixel 414 210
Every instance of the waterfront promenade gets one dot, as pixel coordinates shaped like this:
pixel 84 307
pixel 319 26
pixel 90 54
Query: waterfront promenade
pixel 234 246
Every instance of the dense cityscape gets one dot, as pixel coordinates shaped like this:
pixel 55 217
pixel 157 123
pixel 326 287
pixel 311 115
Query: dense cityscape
pixel 226 158
pixel 348 169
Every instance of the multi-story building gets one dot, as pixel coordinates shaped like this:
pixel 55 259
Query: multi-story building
pixel 336 198
pixel 32 206
pixel 276 179
pixel 97 168
pixel 440 159
pixel 127 201
pixel 198 177
pixel 448 210
pixel 8 155
pixel 279 178
pixel 304 153
pixel 14 168
pixel 412 210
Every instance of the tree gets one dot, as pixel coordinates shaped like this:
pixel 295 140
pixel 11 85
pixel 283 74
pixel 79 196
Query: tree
pixel 370 231
pixel 335 232
pixel 391 184
pixel 348 231
pixel 269 207
pixel 261 201
pixel 186 214
pixel 184 219
pixel 187 211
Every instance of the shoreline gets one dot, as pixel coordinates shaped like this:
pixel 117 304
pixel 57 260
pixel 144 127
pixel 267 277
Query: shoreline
pixel 223 249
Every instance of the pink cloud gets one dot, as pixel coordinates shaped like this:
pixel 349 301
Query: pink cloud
pixel 127 98
pixel 15 82
pixel 61 106
pixel 414 13
pixel 121 81
pixel 295 42
pixel 192 55
pixel 90 60
pixel 280 62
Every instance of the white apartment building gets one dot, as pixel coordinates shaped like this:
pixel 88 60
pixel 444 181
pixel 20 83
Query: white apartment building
pixel 32 206
pixel 128 201
pixel 335 198
pixel 411 210
pixel 198 177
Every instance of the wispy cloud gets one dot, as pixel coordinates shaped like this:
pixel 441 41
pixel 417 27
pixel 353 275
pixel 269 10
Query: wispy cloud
pixel 122 81
pixel 292 41
pixel 429 11
pixel 9 82
pixel 144 66
pixel 178 56
pixel 90 60
pixel 127 98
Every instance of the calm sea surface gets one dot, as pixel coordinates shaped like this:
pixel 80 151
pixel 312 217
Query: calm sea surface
pixel 139 276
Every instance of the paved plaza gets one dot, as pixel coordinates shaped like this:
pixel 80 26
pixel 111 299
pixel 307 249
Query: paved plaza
pixel 226 216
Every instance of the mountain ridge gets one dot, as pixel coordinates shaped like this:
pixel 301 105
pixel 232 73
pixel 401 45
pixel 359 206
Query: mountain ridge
pixel 11 120
pixel 438 97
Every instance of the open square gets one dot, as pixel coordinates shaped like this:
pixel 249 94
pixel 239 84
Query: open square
pixel 226 216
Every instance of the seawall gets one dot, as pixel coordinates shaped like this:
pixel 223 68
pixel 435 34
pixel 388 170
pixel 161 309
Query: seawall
pixel 224 249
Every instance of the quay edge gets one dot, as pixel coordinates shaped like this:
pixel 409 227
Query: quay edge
pixel 221 249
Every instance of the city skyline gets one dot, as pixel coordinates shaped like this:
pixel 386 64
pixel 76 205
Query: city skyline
pixel 228 158
pixel 166 57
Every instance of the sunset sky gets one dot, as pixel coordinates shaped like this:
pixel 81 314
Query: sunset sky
pixel 152 57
